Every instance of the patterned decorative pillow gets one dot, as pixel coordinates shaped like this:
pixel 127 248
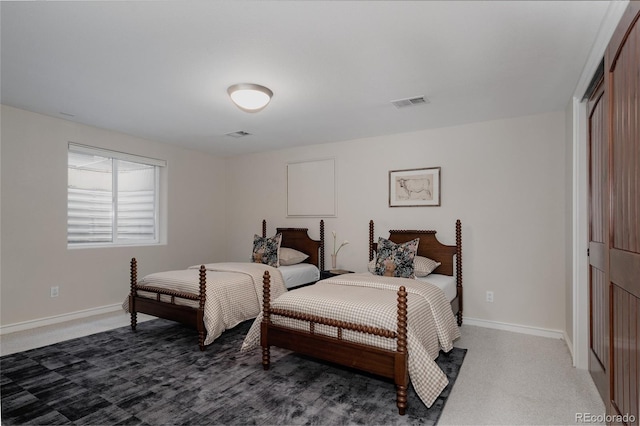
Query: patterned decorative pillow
pixel 289 256
pixel 424 266
pixel 396 260
pixel 265 250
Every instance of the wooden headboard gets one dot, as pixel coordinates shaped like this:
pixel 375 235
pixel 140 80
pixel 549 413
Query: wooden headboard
pixel 429 246
pixel 299 239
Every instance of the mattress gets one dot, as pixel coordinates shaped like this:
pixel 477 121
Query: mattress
pixel 446 283
pixel 302 273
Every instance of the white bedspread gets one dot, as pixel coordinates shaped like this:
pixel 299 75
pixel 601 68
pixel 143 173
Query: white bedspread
pixel 372 300
pixel 234 292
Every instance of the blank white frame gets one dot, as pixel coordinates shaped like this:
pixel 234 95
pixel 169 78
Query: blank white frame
pixel 311 188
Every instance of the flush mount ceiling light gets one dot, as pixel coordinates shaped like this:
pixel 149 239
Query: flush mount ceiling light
pixel 250 97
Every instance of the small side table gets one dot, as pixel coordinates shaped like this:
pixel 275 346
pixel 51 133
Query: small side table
pixel 333 272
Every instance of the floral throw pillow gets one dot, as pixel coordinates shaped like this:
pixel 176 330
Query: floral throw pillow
pixel 396 260
pixel 422 266
pixel 265 250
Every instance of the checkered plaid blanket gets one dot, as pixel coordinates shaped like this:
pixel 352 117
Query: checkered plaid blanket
pixel 372 300
pixel 234 292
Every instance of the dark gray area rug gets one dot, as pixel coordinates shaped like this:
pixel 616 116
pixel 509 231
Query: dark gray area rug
pixel 157 376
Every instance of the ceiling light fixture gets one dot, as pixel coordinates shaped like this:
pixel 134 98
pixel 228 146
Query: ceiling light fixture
pixel 250 97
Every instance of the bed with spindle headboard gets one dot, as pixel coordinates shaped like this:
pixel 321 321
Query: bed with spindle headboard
pixel 216 296
pixel 390 326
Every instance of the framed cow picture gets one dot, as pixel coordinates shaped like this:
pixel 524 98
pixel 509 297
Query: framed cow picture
pixel 414 187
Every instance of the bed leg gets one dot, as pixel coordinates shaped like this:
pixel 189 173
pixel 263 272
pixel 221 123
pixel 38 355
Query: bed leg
pixel 371 251
pixel 134 293
pixel 266 357
pixel 459 269
pixel 321 245
pixel 401 363
pixel 266 319
pixel 203 299
pixel 401 397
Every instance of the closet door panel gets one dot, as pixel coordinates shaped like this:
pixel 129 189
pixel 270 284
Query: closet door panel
pixel 623 88
pixel 598 236
pixel 625 145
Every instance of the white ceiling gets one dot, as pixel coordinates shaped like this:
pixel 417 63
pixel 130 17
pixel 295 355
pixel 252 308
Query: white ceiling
pixel 160 70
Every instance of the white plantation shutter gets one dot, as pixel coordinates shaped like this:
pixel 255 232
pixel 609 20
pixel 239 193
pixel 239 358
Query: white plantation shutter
pixel 89 218
pixel 112 197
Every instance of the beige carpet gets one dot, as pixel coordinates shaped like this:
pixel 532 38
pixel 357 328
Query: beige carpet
pixel 516 379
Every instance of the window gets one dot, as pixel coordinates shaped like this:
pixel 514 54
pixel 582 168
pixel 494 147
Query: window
pixel 112 198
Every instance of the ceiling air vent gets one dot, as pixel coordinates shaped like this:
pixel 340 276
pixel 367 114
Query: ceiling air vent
pixel 238 134
pixel 403 103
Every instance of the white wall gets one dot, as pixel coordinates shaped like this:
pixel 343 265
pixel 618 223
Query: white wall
pixel 34 218
pixel 504 179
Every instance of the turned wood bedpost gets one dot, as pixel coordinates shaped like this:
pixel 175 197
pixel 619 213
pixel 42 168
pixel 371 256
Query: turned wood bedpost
pixel 266 319
pixel 264 228
pixel 203 299
pixel 459 267
pixel 401 368
pixel 370 240
pixel 134 293
pixel 322 244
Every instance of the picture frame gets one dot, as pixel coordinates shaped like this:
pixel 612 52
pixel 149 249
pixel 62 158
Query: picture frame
pixel 311 188
pixel 414 187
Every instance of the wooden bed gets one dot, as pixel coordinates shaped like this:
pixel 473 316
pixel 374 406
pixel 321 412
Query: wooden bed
pixel 432 248
pixel 392 364
pixel 295 238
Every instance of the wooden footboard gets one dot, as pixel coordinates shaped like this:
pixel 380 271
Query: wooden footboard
pixel 191 316
pixel 382 362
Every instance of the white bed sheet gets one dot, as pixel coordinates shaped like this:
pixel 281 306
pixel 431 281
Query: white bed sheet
pixel 302 273
pixel 446 283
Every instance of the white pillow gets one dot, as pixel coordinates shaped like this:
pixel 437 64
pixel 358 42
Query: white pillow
pixel 289 256
pixel 371 266
pixel 422 266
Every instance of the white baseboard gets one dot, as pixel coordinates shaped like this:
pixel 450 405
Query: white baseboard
pixel 27 325
pixel 516 328
pixel 524 329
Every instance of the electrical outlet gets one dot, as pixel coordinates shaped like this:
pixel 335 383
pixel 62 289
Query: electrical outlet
pixel 54 291
pixel 490 296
